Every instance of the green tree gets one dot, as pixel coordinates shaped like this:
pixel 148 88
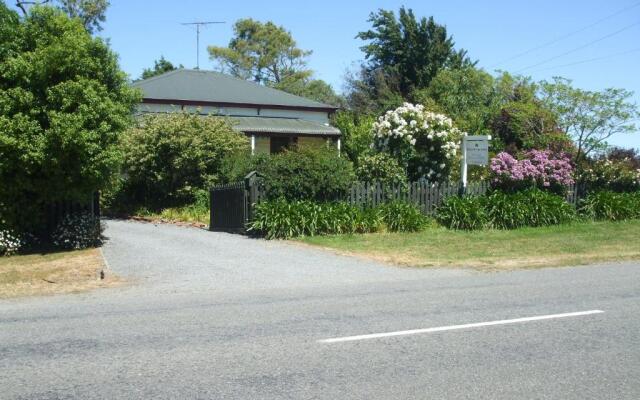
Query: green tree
pixel 63 103
pixel 315 89
pixel 590 117
pixel 522 120
pixel 405 53
pixel 467 95
pixel 263 52
pixel 159 67
pixel 168 157
pixel 357 133
pixel 90 12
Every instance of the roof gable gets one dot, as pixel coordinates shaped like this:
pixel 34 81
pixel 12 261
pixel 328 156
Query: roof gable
pixel 214 87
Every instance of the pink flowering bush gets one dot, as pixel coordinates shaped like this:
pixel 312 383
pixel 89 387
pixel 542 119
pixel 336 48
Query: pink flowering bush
pixel 537 168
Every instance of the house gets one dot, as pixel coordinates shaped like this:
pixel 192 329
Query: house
pixel 273 119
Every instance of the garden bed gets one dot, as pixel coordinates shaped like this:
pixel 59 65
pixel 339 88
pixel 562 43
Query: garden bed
pixel 54 273
pixel 570 244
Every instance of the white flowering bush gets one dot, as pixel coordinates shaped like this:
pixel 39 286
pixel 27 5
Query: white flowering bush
pixel 77 231
pixel 10 243
pixel 423 142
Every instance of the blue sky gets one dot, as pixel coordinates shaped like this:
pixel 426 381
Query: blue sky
pixel 492 32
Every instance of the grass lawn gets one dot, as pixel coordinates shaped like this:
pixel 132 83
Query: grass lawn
pixel 573 244
pixel 54 273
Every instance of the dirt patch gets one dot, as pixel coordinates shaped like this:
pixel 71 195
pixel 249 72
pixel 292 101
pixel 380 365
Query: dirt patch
pixel 55 273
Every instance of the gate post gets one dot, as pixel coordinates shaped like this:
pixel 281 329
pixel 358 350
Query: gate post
pixel 250 195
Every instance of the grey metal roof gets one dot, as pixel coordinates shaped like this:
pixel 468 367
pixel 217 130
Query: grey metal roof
pixel 282 125
pixel 215 87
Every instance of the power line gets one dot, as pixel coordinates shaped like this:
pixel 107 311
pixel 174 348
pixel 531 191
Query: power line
pixel 198 25
pixel 590 60
pixel 580 47
pixel 568 35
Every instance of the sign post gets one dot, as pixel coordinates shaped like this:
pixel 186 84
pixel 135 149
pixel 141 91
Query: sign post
pixel 475 151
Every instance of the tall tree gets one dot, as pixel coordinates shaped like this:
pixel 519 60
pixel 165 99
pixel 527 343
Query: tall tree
pixel 315 89
pixel 90 12
pixel 522 121
pixel 590 117
pixel 159 67
pixel 63 103
pixel 405 53
pixel 467 95
pixel 263 52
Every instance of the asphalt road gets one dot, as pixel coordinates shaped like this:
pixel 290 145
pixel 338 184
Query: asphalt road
pixel 217 316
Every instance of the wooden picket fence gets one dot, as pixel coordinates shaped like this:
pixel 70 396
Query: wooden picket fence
pixel 232 204
pixel 426 196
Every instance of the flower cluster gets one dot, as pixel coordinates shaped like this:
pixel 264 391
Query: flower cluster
pixel 77 231
pixel 9 243
pixel 618 176
pixel 536 168
pixel 425 143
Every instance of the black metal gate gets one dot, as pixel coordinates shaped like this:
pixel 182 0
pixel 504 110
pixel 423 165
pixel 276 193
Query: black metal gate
pixel 231 205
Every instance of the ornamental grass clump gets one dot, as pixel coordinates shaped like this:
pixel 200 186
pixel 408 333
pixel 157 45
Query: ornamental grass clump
pixel 464 213
pixel 532 207
pixel 282 219
pixel 424 143
pixel 537 169
pixel 402 217
pixel 608 205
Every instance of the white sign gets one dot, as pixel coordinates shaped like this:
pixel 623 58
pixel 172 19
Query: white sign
pixel 476 150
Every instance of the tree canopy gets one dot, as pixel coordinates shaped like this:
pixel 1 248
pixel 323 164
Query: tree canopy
pixel 590 117
pixel 63 103
pixel 263 52
pixel 268 54
pixel 402 55
pixel 90 12
pixel 159 67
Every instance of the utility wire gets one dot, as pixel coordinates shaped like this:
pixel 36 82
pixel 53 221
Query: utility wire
pixel 589 60
pixel 580 47
pixel 565 36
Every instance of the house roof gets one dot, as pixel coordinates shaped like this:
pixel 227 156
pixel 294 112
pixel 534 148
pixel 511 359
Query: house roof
pixel 202 87
pixel 283 126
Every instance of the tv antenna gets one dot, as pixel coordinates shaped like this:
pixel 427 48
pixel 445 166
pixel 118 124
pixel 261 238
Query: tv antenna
pixel 198 25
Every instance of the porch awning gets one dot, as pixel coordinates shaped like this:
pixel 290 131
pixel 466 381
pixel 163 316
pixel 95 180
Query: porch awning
pixel 282 126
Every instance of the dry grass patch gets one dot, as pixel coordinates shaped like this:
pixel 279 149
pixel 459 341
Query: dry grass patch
pixel 54 273
pixel 572 244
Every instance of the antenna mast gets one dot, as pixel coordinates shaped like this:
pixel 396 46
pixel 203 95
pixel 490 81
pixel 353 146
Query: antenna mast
pixel 198 25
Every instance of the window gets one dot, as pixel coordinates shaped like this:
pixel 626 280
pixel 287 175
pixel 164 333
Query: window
pixel 278 143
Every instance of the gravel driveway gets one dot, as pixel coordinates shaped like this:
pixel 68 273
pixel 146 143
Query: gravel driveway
pixel 178 258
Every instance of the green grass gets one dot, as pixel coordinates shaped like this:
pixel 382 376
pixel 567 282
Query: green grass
pixel 187 214
pixel 571 244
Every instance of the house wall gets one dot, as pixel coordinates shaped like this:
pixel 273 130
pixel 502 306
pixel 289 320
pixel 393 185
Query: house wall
pixel 307 141
pixel 263 145
pixel 317 116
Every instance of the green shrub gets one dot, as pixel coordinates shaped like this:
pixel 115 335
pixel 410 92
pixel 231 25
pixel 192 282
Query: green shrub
pixel 281 219
pixel 532 207
pixel 402 217
pixel 468 213
pixel 63 104
pixel 235 166
pixel 307 173
pixel 381 168
pixel 168 157
pixel 77 231
pixel 607 205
